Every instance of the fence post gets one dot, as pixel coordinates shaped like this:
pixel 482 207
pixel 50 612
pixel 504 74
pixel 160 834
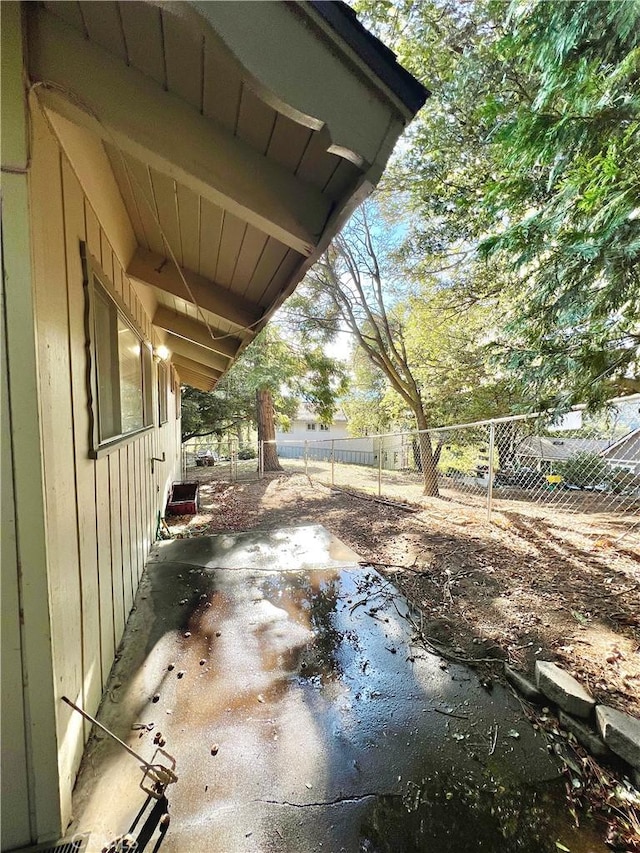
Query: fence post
pixel 379 467
pixel 261 459
pixel 306 458
pixel 333 481
pixel 492 439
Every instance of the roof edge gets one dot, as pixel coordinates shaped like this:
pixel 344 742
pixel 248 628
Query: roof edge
pixel 381 60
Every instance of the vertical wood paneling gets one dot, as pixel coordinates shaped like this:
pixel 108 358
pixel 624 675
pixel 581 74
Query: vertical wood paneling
pixel 140 504
pixel 165 195
pixel 100 513
pixel 146 509
pixel 317 165
pixel 222 88
pixel 57 437
pixel 288 143
pixel 138 176
pixel 266 268
pixel 256 121
pixel 211 219
pixel 134 509
pixel 40 811
pixel 185 55
pixel 143 36
pixel 119 616
pixel 105 572
pixel 108 262
pixel 151 515
pixel 252 247
pixel 69 11
pixel 285 270
pixel 145 470
pixel 14 776
pixel 94 242
pixel 86 495
pixel 131 482
pixel 104 26
pixel 126 531
pixel 123 180
pixel 189 220
pixel 233 232
pixel 75 230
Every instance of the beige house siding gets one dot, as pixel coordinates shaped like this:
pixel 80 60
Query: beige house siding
pixel 100 513
pixel 15 790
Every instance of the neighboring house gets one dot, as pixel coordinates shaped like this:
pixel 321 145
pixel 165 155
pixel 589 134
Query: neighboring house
pixel 308 435
pixel 541 452
pixel 320 441
pixel 625 453
pixel 307 425
pixel 169 173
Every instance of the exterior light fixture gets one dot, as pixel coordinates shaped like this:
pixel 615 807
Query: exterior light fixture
pixel 161 353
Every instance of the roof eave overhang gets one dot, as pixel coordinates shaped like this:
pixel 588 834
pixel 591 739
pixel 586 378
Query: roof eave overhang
pixel 327 51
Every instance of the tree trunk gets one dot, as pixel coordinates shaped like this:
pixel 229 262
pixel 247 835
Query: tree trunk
pixel 428 460
pixel 266 429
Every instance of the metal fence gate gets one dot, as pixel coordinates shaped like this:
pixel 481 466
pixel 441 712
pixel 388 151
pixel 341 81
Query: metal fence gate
pixel 221 459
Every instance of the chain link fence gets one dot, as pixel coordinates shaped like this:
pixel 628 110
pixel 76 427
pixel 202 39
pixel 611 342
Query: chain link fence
pixel 524 463
pixel 575 466
pixel 220 459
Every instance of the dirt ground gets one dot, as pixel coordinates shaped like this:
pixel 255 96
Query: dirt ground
pixel 527 586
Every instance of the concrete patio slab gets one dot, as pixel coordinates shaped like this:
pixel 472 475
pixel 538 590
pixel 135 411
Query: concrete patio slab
pixel 287 684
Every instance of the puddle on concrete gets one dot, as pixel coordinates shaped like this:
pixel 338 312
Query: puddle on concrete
pixel 335 731
pixel 469 814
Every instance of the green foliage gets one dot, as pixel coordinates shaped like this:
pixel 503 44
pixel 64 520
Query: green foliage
pixel 293 369
pixel 460 459
pixel 570 204
pixel 529 147
pixel 584 469
pixel 209 413
pixel 247 453
pixel 271 362
pixel 421 360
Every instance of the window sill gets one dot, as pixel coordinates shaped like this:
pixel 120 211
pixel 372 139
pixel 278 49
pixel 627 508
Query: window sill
pixel 118 441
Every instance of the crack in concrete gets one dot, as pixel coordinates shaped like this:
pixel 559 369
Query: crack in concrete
pixel 336 802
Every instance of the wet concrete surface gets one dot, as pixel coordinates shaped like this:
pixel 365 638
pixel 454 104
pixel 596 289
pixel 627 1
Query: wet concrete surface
pixel 302 717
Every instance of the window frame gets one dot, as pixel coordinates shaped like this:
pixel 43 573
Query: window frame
pixel 178 393
pixel 94 277
pixel 163 393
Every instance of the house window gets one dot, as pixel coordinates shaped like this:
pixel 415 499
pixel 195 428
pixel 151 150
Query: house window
pixel 120 368
pixel 162 392
pixel 324 427
pixel 311 426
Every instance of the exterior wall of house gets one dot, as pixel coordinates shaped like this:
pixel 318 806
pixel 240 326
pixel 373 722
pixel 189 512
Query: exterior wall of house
pixel 100 513
pixel 92 519
pixel 299 431
pixel 15 792
pixel 320 443
pixel 626 457
pixel 396 449
pixel 30 805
